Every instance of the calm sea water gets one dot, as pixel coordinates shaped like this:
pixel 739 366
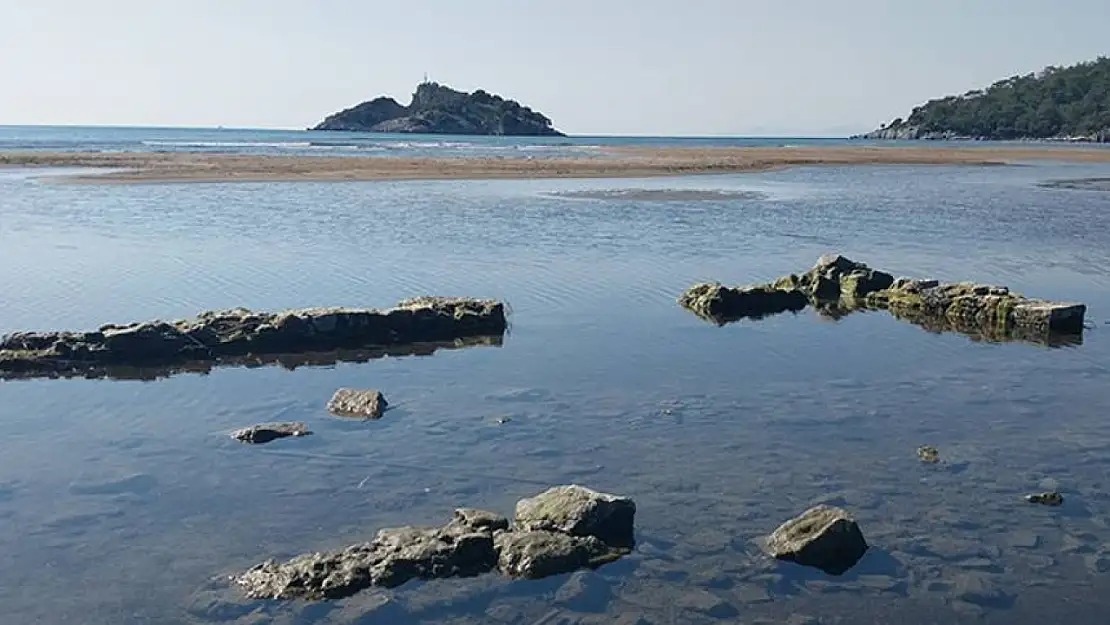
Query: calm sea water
pixel 125 502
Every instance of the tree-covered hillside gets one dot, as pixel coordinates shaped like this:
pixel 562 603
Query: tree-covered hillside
pixel 1055 103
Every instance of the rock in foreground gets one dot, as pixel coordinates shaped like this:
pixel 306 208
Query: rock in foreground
pixel 578 511
pixel 837 285
pixel 473 542
pixel 824 537
pixel 266 432
pixel 214 336
pixel 349 402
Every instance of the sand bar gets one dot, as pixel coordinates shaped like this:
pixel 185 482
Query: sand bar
pixel 616 162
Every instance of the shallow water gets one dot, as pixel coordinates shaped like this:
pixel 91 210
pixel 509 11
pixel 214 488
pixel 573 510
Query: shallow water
pixel 126 502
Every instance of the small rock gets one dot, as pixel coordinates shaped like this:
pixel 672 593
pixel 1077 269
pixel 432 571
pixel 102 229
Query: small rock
pixel 1052 498
pixel 698 600
pixel 503 420
pixel 928 453
pixel 824 537
pixel 538 554
pixel 584 591
pixel 349 402
pixel 579 511
pixel 266 432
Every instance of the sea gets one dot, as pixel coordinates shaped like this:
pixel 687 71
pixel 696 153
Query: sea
pixel 124 501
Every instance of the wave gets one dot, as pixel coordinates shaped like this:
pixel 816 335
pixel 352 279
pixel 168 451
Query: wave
pixel 229 144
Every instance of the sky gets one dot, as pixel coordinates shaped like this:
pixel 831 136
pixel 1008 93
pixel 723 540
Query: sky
pixel 608 67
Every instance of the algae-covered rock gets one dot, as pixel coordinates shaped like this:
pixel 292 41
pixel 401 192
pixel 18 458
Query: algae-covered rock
pixel 214 336
pixel 1051 498
pixel 824 537
pixel 722 304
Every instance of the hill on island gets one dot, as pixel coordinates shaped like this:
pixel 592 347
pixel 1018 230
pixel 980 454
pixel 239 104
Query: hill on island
pixel 437 109
pixel 1057 103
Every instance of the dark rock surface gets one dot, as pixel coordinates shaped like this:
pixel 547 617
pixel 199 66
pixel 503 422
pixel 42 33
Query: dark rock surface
pixel 437 109
pixel 837 286
pixel 824 537
pixel 235 334
pixel 266 432
pixel 1051 498
pixel 364 403
pixel 722 304
pixel 578 522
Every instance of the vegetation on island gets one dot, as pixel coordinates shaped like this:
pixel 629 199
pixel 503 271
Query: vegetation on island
pixel 437 109
pixel 1057 103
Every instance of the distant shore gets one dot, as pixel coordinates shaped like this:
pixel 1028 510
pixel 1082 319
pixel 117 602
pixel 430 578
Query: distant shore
pixel 614 162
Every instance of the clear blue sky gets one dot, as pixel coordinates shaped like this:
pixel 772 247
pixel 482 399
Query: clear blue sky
pixel 662 67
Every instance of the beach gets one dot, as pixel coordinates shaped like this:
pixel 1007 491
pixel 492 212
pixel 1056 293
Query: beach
pixel 608 162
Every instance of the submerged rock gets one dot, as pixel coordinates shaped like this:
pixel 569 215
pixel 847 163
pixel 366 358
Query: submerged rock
pixel 231 334
pixel 723 304
pixel 575 520
pixel 1052 498
pixel 928 453
pixel 824 537
pixel 349 402
pixel 579 511
pixel 266 432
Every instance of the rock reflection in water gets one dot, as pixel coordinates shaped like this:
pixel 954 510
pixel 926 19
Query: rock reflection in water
pixel 288 362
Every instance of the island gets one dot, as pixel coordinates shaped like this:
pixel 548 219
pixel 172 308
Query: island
pixel 437 109
pixel 1056 104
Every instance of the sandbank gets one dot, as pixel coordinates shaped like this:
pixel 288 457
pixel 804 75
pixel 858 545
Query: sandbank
pixel 613 162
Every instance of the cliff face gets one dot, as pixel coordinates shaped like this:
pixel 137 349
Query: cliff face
pixel 436 109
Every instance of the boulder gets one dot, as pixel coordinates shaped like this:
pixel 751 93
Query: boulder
pixel 835 276
pixel 928 454
pixel 215 336
pixel 578 511
pixel 723 304
pixel 1051 498
pixel 824 537
pixel 266 432
pixel 537 554
pixel 349 402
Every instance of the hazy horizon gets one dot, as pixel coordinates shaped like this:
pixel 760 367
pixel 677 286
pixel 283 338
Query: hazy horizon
pixel 622 68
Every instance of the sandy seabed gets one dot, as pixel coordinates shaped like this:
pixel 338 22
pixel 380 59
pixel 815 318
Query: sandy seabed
pixel 617 162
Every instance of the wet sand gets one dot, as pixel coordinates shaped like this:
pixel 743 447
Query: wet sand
pixel 609 163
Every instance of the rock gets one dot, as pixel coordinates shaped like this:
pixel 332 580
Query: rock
pixel 579 511
pixel 481 520
pixel 837 286
pixel 266 432
pixel 439 109
pixel 723 304
pixel 928 453
pixel 349 402
pixel 538 554
pixel 395 556
pixel 698 600
pixel 824 537
pixel 471 543
pixel 1052 498
pixel 584 591
pixel 216 336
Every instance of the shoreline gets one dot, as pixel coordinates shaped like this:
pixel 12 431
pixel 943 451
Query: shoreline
pixel 614 162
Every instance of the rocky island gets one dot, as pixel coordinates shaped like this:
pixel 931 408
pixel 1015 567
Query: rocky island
pixel 1055 104
pixel 437 109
